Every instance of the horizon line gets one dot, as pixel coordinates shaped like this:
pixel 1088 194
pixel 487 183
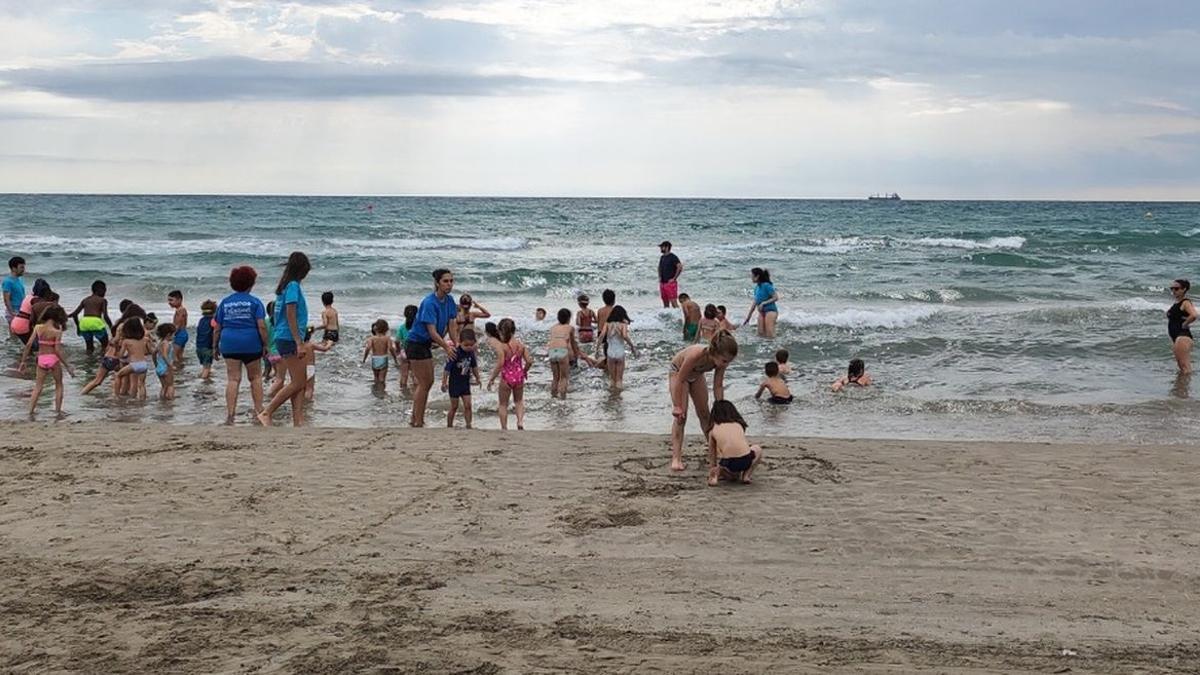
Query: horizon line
pixel 583 197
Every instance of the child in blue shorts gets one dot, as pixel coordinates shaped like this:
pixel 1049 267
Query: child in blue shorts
pixel 175 300
pixel 456 378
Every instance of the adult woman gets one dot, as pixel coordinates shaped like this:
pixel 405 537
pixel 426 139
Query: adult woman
pixel 290 322
pixel 469 311
pixel 240 333
pixel 23 322
pixel 434 320
pixel 764 302
pixel 1179 320
pixel 687 379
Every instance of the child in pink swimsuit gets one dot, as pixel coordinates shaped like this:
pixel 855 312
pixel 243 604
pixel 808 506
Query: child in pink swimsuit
pixel 50 357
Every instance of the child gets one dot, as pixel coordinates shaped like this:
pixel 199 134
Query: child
pixel 725 323
pixel 730 455
pixel 456 377
pixel 785 368
pixel 856 374
pixel 539 314
pixel 162 361
pixel 615 337
pixel 50 357
pixel 562 348
pixel 110 362
pixel 180 319
pixel 780 394
pixel 513 364
pixel 410 317
pixel 691 318
pixel 330 322
pixel 585 319
pixel 273 356
pixel 136 348
pixel 310 366
pixel 379 347
pixel 204 338
pixel 95 323
pixel 710 324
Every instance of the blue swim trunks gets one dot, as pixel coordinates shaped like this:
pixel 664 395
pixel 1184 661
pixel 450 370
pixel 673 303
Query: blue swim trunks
pixel 181 337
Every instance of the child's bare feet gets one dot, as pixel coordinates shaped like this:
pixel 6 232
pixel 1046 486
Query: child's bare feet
pixel 263 418
pixel 677 465
pixel 714 476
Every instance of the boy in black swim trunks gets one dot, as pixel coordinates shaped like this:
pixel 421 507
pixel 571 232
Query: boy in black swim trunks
pixel 329 322
pixel 773 383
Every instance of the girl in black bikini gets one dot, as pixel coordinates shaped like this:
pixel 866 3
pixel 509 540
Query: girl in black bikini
pixel 1179 320
pixel 469 311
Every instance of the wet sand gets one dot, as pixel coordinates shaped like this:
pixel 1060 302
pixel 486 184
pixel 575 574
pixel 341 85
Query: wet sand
pixel 197 550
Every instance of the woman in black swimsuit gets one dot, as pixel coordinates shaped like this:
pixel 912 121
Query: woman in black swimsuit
pixel 1179 320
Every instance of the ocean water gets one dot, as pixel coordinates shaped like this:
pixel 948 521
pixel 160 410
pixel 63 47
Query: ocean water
pixel 979 320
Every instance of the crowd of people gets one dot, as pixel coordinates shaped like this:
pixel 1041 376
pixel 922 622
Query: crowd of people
pixel 275 342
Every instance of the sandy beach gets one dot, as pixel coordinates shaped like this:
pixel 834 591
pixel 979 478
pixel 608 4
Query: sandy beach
pixel 203 550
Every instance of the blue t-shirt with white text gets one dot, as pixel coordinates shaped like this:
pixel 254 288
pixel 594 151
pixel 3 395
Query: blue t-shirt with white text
pixel 238 316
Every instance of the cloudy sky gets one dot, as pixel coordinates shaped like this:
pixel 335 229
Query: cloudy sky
pixel 1088 99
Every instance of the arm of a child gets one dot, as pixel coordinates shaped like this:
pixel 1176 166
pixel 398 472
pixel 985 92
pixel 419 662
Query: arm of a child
pixel 475 372
pixel 481 314
pixel 761 388
pixel 25 354
pixel 446 377
pixel 719 384
pixel 74 316
pixel 366 350
pixel 62 358
pixel 838 384
pixel 496 366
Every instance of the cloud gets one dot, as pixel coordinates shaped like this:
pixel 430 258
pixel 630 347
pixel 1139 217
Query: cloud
pixel 238 78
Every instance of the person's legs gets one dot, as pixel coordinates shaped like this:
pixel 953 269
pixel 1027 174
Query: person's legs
pixel 466 401
pixel 59 392
pixel 519 406
pixel 503 409
pixel 101 373
pixel 453 412
pixel 254 374
pixel 699 394
pixel 1183 353
pixel 758 455
pixel 39 382
pixel 233 380
pixel 769 324
pixel 618 374
pixel 89 341
pixel 678 425
pixel 422 372
pixel 293 390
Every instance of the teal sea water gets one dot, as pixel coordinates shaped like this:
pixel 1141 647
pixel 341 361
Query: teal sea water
pixel 996 320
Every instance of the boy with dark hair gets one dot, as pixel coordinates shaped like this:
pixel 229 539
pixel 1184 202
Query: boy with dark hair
pixel 95 323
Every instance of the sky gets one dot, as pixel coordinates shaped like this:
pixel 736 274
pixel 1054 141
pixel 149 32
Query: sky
pixel 937 99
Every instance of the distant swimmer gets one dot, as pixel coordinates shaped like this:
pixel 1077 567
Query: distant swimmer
pixel 855 375
pixel 765 298
pixel 1179 320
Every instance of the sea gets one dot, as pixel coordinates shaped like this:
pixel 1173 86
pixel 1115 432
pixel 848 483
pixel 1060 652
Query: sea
pixel 1040 321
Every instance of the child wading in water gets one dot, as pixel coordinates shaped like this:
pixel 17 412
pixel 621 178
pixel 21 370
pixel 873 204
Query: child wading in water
pixel 614 336
pixel 585 320
pixel 856 374
pixel 774 384
pixel 709 325
pixel 457 375
pixel 162 361
pixel 50 357
pixel 137 350
pixel 691 318
pixel 180 319
pixel 330 323
pixel 785 368
pixel 563 348
pixel 95 324
pixel 379 348
pixel 410 316
pixel 204 338
pixel 110 362
pixel 730 455
pixel 512 365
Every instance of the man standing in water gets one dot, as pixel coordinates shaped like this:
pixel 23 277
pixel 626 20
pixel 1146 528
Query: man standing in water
pixel 669 269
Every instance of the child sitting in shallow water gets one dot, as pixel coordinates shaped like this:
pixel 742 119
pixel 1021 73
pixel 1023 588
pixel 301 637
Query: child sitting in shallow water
pixel 773 383
pixel 730 455
pixel 856 374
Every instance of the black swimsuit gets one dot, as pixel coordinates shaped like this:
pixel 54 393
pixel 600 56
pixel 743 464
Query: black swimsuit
pixel 1175 319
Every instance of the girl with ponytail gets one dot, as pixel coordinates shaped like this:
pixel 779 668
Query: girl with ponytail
pixel 687 380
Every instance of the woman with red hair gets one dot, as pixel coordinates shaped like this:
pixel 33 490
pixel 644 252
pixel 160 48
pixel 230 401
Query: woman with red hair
pixel 240 334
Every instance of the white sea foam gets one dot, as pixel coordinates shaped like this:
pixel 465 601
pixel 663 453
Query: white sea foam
pixel 1140 305
pixel 261 246
pixel 884 317
pixel 1013 242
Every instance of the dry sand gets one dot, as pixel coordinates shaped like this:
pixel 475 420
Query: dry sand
pixel 170 549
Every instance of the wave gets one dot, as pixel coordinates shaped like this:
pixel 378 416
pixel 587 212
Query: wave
pixel 893 317
pixel 257 246
pixel 1139 305
pixel 1013 242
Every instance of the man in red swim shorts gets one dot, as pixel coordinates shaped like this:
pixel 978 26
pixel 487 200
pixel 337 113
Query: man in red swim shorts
pixel 669 269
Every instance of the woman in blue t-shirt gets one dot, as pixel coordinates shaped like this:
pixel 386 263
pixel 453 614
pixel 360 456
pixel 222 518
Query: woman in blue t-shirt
pixel 290 322
pixel 434 320
pixel 764 302
pixel 240 335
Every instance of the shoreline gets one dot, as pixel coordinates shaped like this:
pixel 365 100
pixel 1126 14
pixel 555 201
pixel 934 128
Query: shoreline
pixel 158 547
